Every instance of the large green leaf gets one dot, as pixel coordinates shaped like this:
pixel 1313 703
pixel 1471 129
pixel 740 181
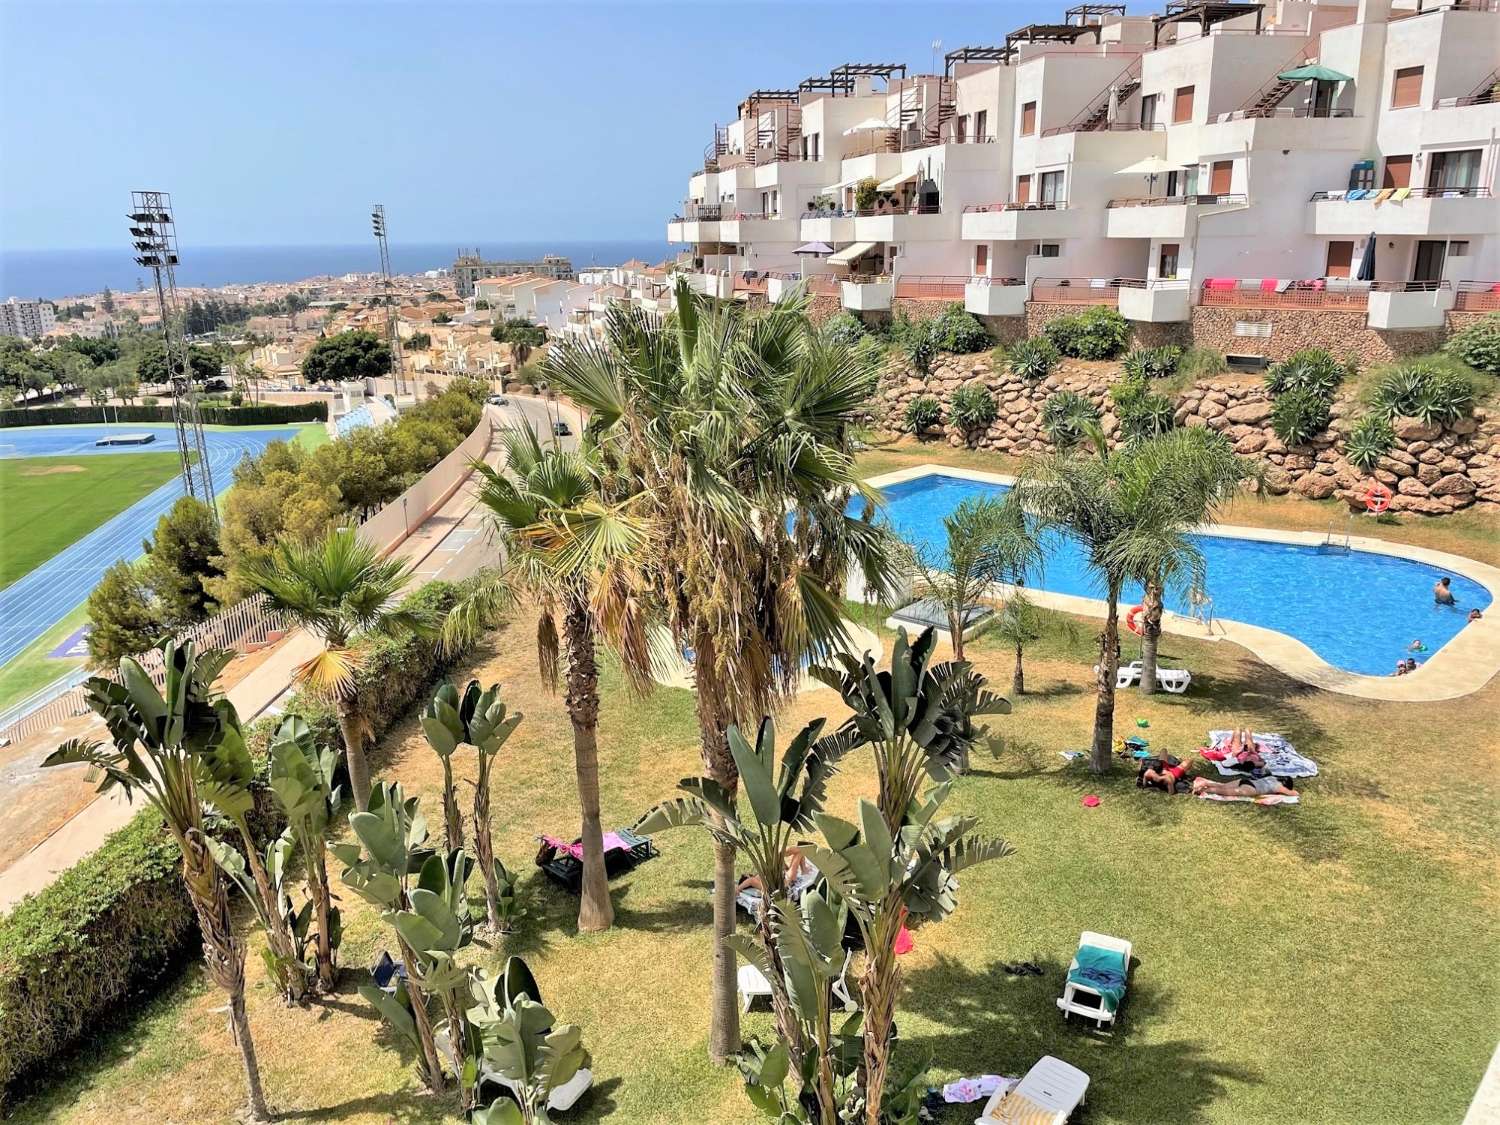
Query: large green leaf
pixel 755 770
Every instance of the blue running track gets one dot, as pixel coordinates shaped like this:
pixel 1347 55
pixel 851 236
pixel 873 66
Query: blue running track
pixel 35 602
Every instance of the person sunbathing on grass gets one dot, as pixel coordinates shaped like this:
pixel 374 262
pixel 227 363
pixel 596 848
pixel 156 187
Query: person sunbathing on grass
pixel 1243 787
pixel 799 873
pixel 1166 777
pixel 1243 750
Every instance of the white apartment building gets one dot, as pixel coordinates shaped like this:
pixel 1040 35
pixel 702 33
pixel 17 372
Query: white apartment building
pixel 31 319
pixel 1295 154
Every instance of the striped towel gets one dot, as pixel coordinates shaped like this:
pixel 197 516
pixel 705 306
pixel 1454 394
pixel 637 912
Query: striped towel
pixel 1017 1109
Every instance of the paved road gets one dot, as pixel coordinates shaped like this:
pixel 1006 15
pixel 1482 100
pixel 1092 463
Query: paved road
pixel 35 602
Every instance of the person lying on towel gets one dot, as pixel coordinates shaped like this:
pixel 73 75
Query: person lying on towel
pixel 800 873
pixel 1243 787
pixel 1161 774
pixel 1243 750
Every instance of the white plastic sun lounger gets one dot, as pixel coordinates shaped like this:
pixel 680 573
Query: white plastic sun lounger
pixel 559 1100
pixel 1068 1001
pixel 1050 1092
pixel 753 984
pixel 1173 680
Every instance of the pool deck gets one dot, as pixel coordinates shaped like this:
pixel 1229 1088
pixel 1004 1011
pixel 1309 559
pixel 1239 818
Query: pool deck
pixel 1462 666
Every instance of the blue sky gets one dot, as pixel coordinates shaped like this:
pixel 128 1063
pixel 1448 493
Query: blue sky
pixel 280 124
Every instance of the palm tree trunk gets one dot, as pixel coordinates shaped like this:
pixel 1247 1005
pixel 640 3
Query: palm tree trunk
pixel 359 768
pixel 595 912
pixel 1018 677
pixel 1109 666
pixel 293 975
pixel 432 1067
pixel 882 979
pixel 956 631
pixel 724 1009
pixel 317 888
pixel 484 847
pixel 1150 635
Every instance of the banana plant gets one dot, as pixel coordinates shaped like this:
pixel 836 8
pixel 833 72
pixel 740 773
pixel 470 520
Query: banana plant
pixel 506 908
pixel 785 799
pixel 392 848
pixel 284 963
pixel 224 772
pixel 522 1044
pixel 302 781
pixel 900 857
pixel 477 718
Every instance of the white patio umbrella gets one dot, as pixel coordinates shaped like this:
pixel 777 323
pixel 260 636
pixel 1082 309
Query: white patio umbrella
pixel 868 125
pixel 811 250
pixel 1151 167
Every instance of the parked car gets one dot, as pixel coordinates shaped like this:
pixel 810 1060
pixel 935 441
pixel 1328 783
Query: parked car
pixel 498 400
pixel 561 429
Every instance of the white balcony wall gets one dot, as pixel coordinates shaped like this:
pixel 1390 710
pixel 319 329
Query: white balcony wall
pixel 1427 217
pixel 1156 304
pixel 871 296
pixel 995 300
pixel 1400 310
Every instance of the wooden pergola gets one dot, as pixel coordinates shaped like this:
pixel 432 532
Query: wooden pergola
pixel 1204 13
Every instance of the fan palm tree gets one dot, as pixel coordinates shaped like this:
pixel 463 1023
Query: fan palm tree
pixel 580 556
pixel 736 434
pixel 1017 625
pixel 340 590
pixel 160 743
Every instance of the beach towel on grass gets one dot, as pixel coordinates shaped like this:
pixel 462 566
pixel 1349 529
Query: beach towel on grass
pixel 1018 1109
pixel 1281 756
pixel 1102 970
pixel 1267 799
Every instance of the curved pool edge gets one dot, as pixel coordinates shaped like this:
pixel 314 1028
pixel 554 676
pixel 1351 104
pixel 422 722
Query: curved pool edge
pixel 1461 667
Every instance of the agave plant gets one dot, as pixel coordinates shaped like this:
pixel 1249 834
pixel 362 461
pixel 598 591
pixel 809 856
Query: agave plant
pixel 1298 415
pixel 1369 441
pixel 1425 392
pixel 1152 363
pixel 972 407
pixel 1033 360
pixel 1311 370
pixel 1141 412
pixel 1067 416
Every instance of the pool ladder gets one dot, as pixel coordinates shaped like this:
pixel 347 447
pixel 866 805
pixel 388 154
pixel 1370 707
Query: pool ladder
pixel 1336 544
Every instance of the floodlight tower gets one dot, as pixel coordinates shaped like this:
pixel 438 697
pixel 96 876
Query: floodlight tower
pixel 393 337
pixel 154 237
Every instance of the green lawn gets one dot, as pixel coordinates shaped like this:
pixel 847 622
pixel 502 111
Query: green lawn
pixel 1325 963
pixel 49 502
pixel 32 668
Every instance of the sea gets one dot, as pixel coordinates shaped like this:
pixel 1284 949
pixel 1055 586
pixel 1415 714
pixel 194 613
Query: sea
pixel 54 274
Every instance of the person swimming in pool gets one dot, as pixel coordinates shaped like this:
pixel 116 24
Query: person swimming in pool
pixel 1442 591
pixel 1475 615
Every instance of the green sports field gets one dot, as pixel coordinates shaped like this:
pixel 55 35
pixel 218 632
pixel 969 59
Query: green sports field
pixel 48 502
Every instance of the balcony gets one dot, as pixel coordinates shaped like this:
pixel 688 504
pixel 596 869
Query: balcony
pixel 1076 290
pixel 1279 293
pixel 1171 216
pixel 914 223
pixel 867 294
pixel 1477 296
pixel 1163 301
pixel 832 227
pixel 995 296
pixel 929 287
pixel 1409 304
pixel 1012 222
pixel 750 226
pixel 1420 212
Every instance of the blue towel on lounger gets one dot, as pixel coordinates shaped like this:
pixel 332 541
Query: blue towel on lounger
pixel 1102 970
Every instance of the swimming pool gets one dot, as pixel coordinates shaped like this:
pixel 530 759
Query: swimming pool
pixel 1357 610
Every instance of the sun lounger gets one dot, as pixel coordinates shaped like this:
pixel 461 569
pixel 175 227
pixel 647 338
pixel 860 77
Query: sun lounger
pixel 387 973
pixel 1091 998
pixel 1174 680
pixel 752 984
pixel 1050 1092
pixel 563 862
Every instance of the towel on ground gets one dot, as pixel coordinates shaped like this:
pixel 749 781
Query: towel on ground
pixel 972 1089
pixel 1103 971
pixel 1281 757
pixel 1268 799
pixel 1017 1109
pixel 612 843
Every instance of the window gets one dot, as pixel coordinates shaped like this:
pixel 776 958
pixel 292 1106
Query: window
pixel 1458 249
pixel 1166 268
pixel 981 259
pixel 1028 119
pixel 1148 110
pixel 1397 172
pixel 960 128
pixel 1048 250
pixel 1220 177
pixel 1456 171
pixel 1182 105
pixel 1023 189
pixel 1340 255
pixel 1051 188
pixel 1406 87
pixel 981 123
pixel 1429 261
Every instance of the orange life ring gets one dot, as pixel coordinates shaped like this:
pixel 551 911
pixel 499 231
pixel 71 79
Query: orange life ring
pixel 1130 620
pixel 1377 498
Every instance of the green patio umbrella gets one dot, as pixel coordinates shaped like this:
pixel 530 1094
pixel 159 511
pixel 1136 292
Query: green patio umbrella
pixel 1314 73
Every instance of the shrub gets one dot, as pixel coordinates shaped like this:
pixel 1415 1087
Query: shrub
pixel 1033 360
pixel 236 398
pixel 1200 363
pixel 1141 412
pixel 1312 370
pixel 914 338
pixel 972 407
pixel 1426 392
pixel 1299 414
pixel 958 331
pixel 1096 333
pixel 1369 441
pixel 865 193
pixel 1478 345
pixel 844 328
pixel 922 413
pixel 1067 416
pixel 1153 363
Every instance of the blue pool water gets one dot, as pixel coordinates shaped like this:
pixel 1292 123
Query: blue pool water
pixel 1358 611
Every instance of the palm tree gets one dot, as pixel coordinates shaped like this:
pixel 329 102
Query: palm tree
pixel 1017 625
pixel 160 742
pixel 1110 503
pixel 736 434
pixel 580 556
pixel 340 590
pixel 1192 474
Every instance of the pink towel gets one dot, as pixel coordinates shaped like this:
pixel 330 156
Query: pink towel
pixel 1268 285
pixel 1220 283
pixel 612 843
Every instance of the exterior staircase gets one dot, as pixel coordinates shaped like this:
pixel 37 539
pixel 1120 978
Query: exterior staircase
pixel 937 116
pixel 1264 102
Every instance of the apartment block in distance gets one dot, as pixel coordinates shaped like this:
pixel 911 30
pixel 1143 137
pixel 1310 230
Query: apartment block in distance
pixel 1297 155
pixel 31 319
pixel 470 267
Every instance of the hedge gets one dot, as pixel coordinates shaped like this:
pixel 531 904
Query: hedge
pixel 212 415
pixel 113 926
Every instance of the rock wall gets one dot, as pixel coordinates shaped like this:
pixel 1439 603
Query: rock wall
pixel 1431 469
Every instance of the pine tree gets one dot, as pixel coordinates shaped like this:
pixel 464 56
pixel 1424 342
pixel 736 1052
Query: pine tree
pixel 181 558
pixel 124 615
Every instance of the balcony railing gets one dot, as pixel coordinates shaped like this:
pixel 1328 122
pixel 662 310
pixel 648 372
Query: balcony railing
pixel 1477 296
pixel 1283 111
pixel 699 213
pixel 750 281
pixel 1424 8
pixel 1280 293
pixel 930 287
pixel 1016 205
pixel 918 209
pixel 1076 290
pixel 1152 283
pixel 1177 200
pixel 1354 195
pixel 986 139
pixel 1105 127
pixel 1002 281
pixel 819 285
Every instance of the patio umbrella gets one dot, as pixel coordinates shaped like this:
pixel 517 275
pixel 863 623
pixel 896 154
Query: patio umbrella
pixel 814 248
pixel 1151 167
pixel 1367 261
pixel 1313 73
pixel 869 124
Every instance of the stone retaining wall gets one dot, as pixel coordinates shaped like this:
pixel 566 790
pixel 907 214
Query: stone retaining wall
pixel 1431 469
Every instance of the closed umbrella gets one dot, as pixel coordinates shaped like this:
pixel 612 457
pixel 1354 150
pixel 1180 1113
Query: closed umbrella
pixel 1367 261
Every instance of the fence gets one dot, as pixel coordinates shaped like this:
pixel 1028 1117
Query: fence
pixel 252 622
pixel 1477 296
pixel 919 286
pixel 1272 294
pixel 1076 290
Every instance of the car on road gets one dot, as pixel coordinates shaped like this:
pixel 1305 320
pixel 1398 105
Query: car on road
pixel 561 429
pixel 498 400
